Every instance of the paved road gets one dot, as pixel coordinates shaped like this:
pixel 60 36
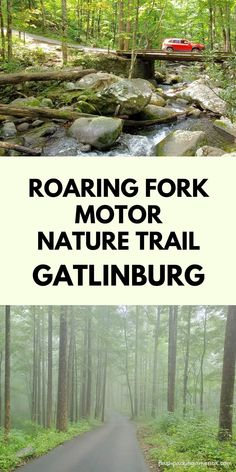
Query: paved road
pixel 30 37
pixel 111 448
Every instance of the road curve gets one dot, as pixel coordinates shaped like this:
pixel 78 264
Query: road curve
pixel 112 447
pixel 29 37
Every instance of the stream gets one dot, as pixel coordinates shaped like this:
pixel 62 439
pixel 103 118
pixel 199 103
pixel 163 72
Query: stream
pixel 140 143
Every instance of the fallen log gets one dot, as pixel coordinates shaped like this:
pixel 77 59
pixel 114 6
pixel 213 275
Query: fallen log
pixel 42 112
pixel 66 74
pixel 52 113
pixel 156 121
pixel 18 148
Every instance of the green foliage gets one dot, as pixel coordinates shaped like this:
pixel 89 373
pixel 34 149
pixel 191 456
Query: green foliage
pixel 173 439
pixel 39 439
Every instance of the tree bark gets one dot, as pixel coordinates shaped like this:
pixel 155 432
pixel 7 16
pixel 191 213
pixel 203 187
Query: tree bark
pixel 49 385
pixel 127 369
pixel 136 358
pixel 172 348
pixel 7 419
pixel 154 374
pixel 9 30
pixel 228 377
pixel 18 148
pixel 64 27
pixel 32 112
pixel 62 373
pixel 89 367
pixel 64 74
pixel 186 362
pixel 202 361
pixel 2 33
pixel 1 358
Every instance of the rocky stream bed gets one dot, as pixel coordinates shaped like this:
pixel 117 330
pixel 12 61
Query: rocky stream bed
pixel 104 114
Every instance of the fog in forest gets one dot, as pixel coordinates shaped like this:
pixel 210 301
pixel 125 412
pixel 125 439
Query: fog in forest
pixel 65 365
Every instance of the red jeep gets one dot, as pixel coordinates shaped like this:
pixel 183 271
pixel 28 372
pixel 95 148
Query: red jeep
pixel 179 45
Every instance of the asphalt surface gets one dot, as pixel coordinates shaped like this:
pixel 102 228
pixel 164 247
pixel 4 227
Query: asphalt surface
pixel 30 37
pixel 112 447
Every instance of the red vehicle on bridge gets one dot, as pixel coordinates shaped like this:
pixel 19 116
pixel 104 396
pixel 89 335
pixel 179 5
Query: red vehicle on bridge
pixel 175 44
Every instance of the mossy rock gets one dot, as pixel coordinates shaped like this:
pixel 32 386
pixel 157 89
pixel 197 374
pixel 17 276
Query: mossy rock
pixel 26 102
pixel 153 112
pixel 181 143
pixel 100 132
pixel 103 62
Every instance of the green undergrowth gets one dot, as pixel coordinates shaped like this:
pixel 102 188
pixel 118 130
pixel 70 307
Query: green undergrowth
pixel 38 440
pixel 175 443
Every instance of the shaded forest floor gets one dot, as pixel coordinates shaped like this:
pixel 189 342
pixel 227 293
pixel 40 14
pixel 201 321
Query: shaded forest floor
pixel 34 441
pixel 171 442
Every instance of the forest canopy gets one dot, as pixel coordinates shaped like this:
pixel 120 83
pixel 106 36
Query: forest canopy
pixel 115 23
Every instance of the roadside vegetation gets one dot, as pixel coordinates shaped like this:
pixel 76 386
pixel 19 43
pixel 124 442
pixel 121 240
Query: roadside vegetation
pixel 31 440
pixel 171 440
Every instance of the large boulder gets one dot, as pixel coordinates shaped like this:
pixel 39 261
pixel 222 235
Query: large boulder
pixel 205 97
pixel 153 112
pixel 226 128
pixel 100 132
pixel 181 143
pixel 97 81
pixel 126 97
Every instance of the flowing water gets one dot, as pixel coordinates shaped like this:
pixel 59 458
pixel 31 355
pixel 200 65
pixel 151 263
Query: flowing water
pixel 140 143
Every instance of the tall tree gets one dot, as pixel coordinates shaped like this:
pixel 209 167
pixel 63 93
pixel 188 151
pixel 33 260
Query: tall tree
pixel 62 373
pixel 154 374
pixel 228 377
pixel 202 359
pixel 1 358
pixel 9 30
pixel 136 363
pixel 186 362
pixel 49 384
pixel 172 350
pixel 64 29
pixel 2 32
pixel 7 420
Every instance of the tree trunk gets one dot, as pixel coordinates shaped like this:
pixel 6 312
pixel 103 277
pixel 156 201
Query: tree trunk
pixel 186 362
pixel 89 367
pixel 2 50
pixel 9 30
pixel 1 358
pixel 33 112
pixel 228 377
pixel 172 348
pixel 202 361
pixel 121 25
pixel 39 355
pixel 7 420
pixel 19 148
pixel 67 74
pixel 134 41
pixel 49 385
pixel 127 369
pixel 43 373
pixel 64 27
pixel 104 383
pixel 84 374
pixel 62 373
pixel 136 366
pixel 154 374
pixel 211 24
